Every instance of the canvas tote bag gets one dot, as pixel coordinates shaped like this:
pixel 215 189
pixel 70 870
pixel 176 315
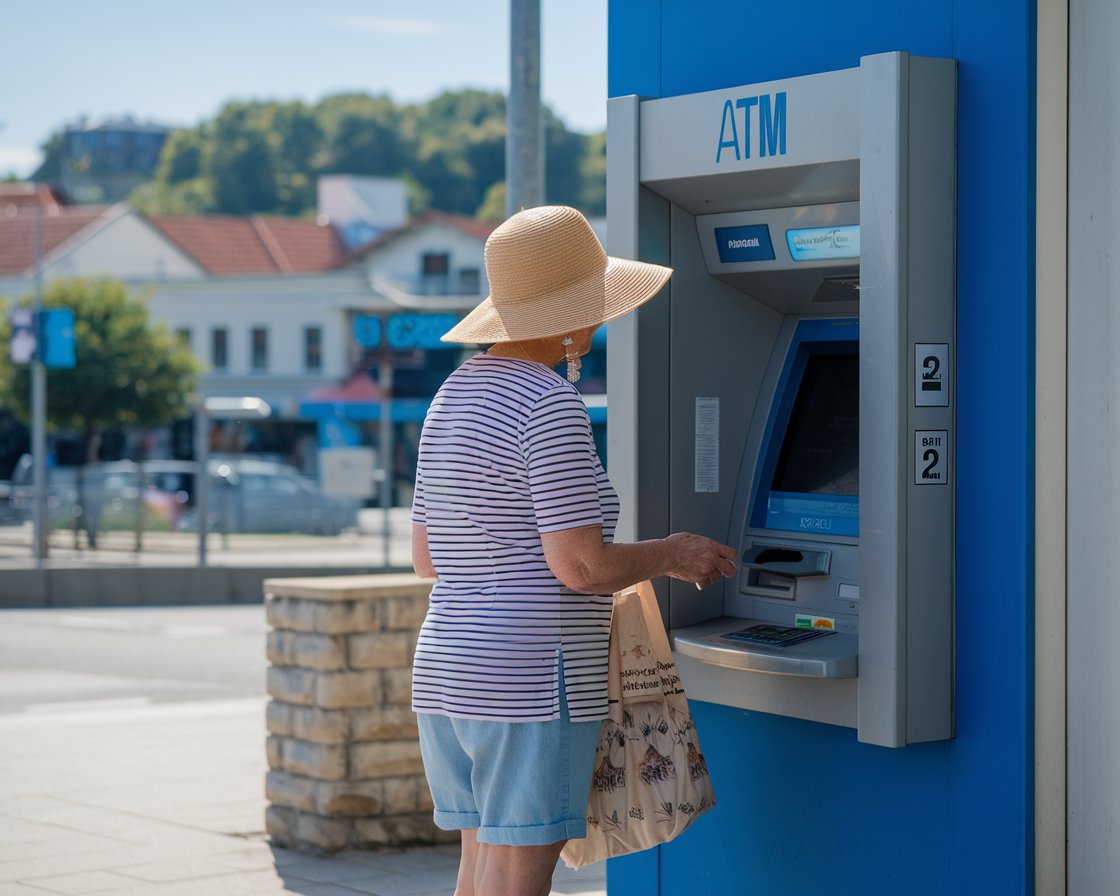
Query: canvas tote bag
pixel 650 781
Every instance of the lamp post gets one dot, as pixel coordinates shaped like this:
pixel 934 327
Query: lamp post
pixel 39 409
pixel 524 120
pixel 244 407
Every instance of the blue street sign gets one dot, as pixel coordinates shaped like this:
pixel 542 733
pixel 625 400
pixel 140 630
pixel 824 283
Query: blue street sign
pixel 58 338
pixel 413 329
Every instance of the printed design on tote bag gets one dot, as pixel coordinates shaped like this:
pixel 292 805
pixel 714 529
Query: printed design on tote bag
pixel 609 776
pixel 697 767
pixel 656 767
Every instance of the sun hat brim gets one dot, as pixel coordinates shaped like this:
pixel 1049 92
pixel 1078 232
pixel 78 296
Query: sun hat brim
pixel 618 289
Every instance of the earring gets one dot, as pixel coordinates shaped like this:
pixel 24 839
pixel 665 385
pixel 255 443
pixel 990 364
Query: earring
pixel 572 358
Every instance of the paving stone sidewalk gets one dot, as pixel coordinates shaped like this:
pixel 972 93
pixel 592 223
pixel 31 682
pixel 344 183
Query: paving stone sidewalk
pixel 167 799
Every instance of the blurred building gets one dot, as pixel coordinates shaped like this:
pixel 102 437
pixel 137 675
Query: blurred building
pixel 361 208
pixel 282 309
pixel 104 162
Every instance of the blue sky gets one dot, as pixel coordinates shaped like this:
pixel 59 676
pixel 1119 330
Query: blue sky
pixel 178 63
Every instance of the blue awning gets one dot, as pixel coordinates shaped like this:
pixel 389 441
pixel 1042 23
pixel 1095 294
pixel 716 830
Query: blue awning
pixel 402 410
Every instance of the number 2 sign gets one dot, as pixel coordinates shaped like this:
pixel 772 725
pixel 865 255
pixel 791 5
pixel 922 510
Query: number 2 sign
pixel 931 374
pixel 931 457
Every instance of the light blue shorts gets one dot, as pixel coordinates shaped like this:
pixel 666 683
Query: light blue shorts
pixel 518 783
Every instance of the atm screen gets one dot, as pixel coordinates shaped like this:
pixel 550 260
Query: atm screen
pixel 820 452
pixel 809 478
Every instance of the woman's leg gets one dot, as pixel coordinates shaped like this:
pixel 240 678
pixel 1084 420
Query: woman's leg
pixel 516 870
pixel 469 864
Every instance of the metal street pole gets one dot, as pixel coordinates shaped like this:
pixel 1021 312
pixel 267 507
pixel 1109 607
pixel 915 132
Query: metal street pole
pixel 388 452
pixel 39 408
pixel 524 121
pixel 202 477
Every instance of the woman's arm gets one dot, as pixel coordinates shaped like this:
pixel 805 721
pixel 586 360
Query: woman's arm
pixel 584 562
pixel 421 558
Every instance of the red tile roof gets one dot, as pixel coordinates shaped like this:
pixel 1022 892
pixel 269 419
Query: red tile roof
pixel 28 195
pixel 226 245
pixel 478 229
pixel 17 233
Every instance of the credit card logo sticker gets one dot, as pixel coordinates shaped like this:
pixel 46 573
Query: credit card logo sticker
pixel 820 623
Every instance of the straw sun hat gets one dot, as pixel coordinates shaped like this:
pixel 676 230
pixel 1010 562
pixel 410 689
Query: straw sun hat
pixel 549 276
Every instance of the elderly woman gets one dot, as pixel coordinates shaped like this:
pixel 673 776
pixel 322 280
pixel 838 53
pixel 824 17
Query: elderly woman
pixel 514 514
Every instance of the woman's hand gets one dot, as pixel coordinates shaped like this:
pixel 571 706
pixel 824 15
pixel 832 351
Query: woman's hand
pixel 585 563
pixel 697 559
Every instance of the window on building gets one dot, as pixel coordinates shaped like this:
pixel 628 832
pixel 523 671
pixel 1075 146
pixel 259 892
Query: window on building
pixel 183 334
pixel 435 268
pixel 219 348
pixel 435 263
pixel 470 282
pixel 258 348
pixel 313 348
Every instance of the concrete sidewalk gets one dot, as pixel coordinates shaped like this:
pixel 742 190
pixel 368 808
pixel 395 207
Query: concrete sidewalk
pixel 167 799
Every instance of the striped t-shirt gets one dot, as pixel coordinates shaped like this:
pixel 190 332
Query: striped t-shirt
pixel 506 454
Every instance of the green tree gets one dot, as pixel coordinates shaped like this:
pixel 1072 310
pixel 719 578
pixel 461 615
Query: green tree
pixel 593 199
pixel 460 147
pixel 493 206
pixel 188 197
pixel 129 372
pixel 294 137
pixel 182 156
pixel 267 156
pixel 50 169
pixel 362 135
pixel 563 157
pixel 241 163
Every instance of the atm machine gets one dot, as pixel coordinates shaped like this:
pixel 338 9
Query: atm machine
pixel 792 391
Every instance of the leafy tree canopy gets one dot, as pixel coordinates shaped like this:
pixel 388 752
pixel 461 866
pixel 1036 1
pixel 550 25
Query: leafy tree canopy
pixel 265 157
pixel 129 372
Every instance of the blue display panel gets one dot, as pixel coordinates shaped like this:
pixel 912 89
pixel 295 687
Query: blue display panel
pixel 808 478
pixel 822 243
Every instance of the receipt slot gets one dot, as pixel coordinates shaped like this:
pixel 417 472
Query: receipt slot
pixel 792 392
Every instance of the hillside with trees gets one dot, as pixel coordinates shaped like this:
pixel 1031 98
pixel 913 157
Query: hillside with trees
pixel 265 157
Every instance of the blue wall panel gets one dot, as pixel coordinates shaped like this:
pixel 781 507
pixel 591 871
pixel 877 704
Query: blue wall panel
pixel 805 808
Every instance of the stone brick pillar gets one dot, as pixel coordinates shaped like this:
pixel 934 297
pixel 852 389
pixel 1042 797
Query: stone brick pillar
pixel 343 751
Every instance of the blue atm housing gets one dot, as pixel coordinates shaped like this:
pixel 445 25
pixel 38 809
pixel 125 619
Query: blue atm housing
pixel 803 807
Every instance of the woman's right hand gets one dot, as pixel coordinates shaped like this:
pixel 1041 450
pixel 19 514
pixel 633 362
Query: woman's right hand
pixel 698 559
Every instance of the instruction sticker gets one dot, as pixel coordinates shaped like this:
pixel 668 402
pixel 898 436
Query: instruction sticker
pixel 931 457
pixel 707 445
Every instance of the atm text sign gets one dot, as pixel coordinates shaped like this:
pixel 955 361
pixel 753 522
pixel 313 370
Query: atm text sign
pixel 752 123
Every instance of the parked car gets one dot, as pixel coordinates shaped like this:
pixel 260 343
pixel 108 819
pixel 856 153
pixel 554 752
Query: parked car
pixel 246 495
pixel 249 495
